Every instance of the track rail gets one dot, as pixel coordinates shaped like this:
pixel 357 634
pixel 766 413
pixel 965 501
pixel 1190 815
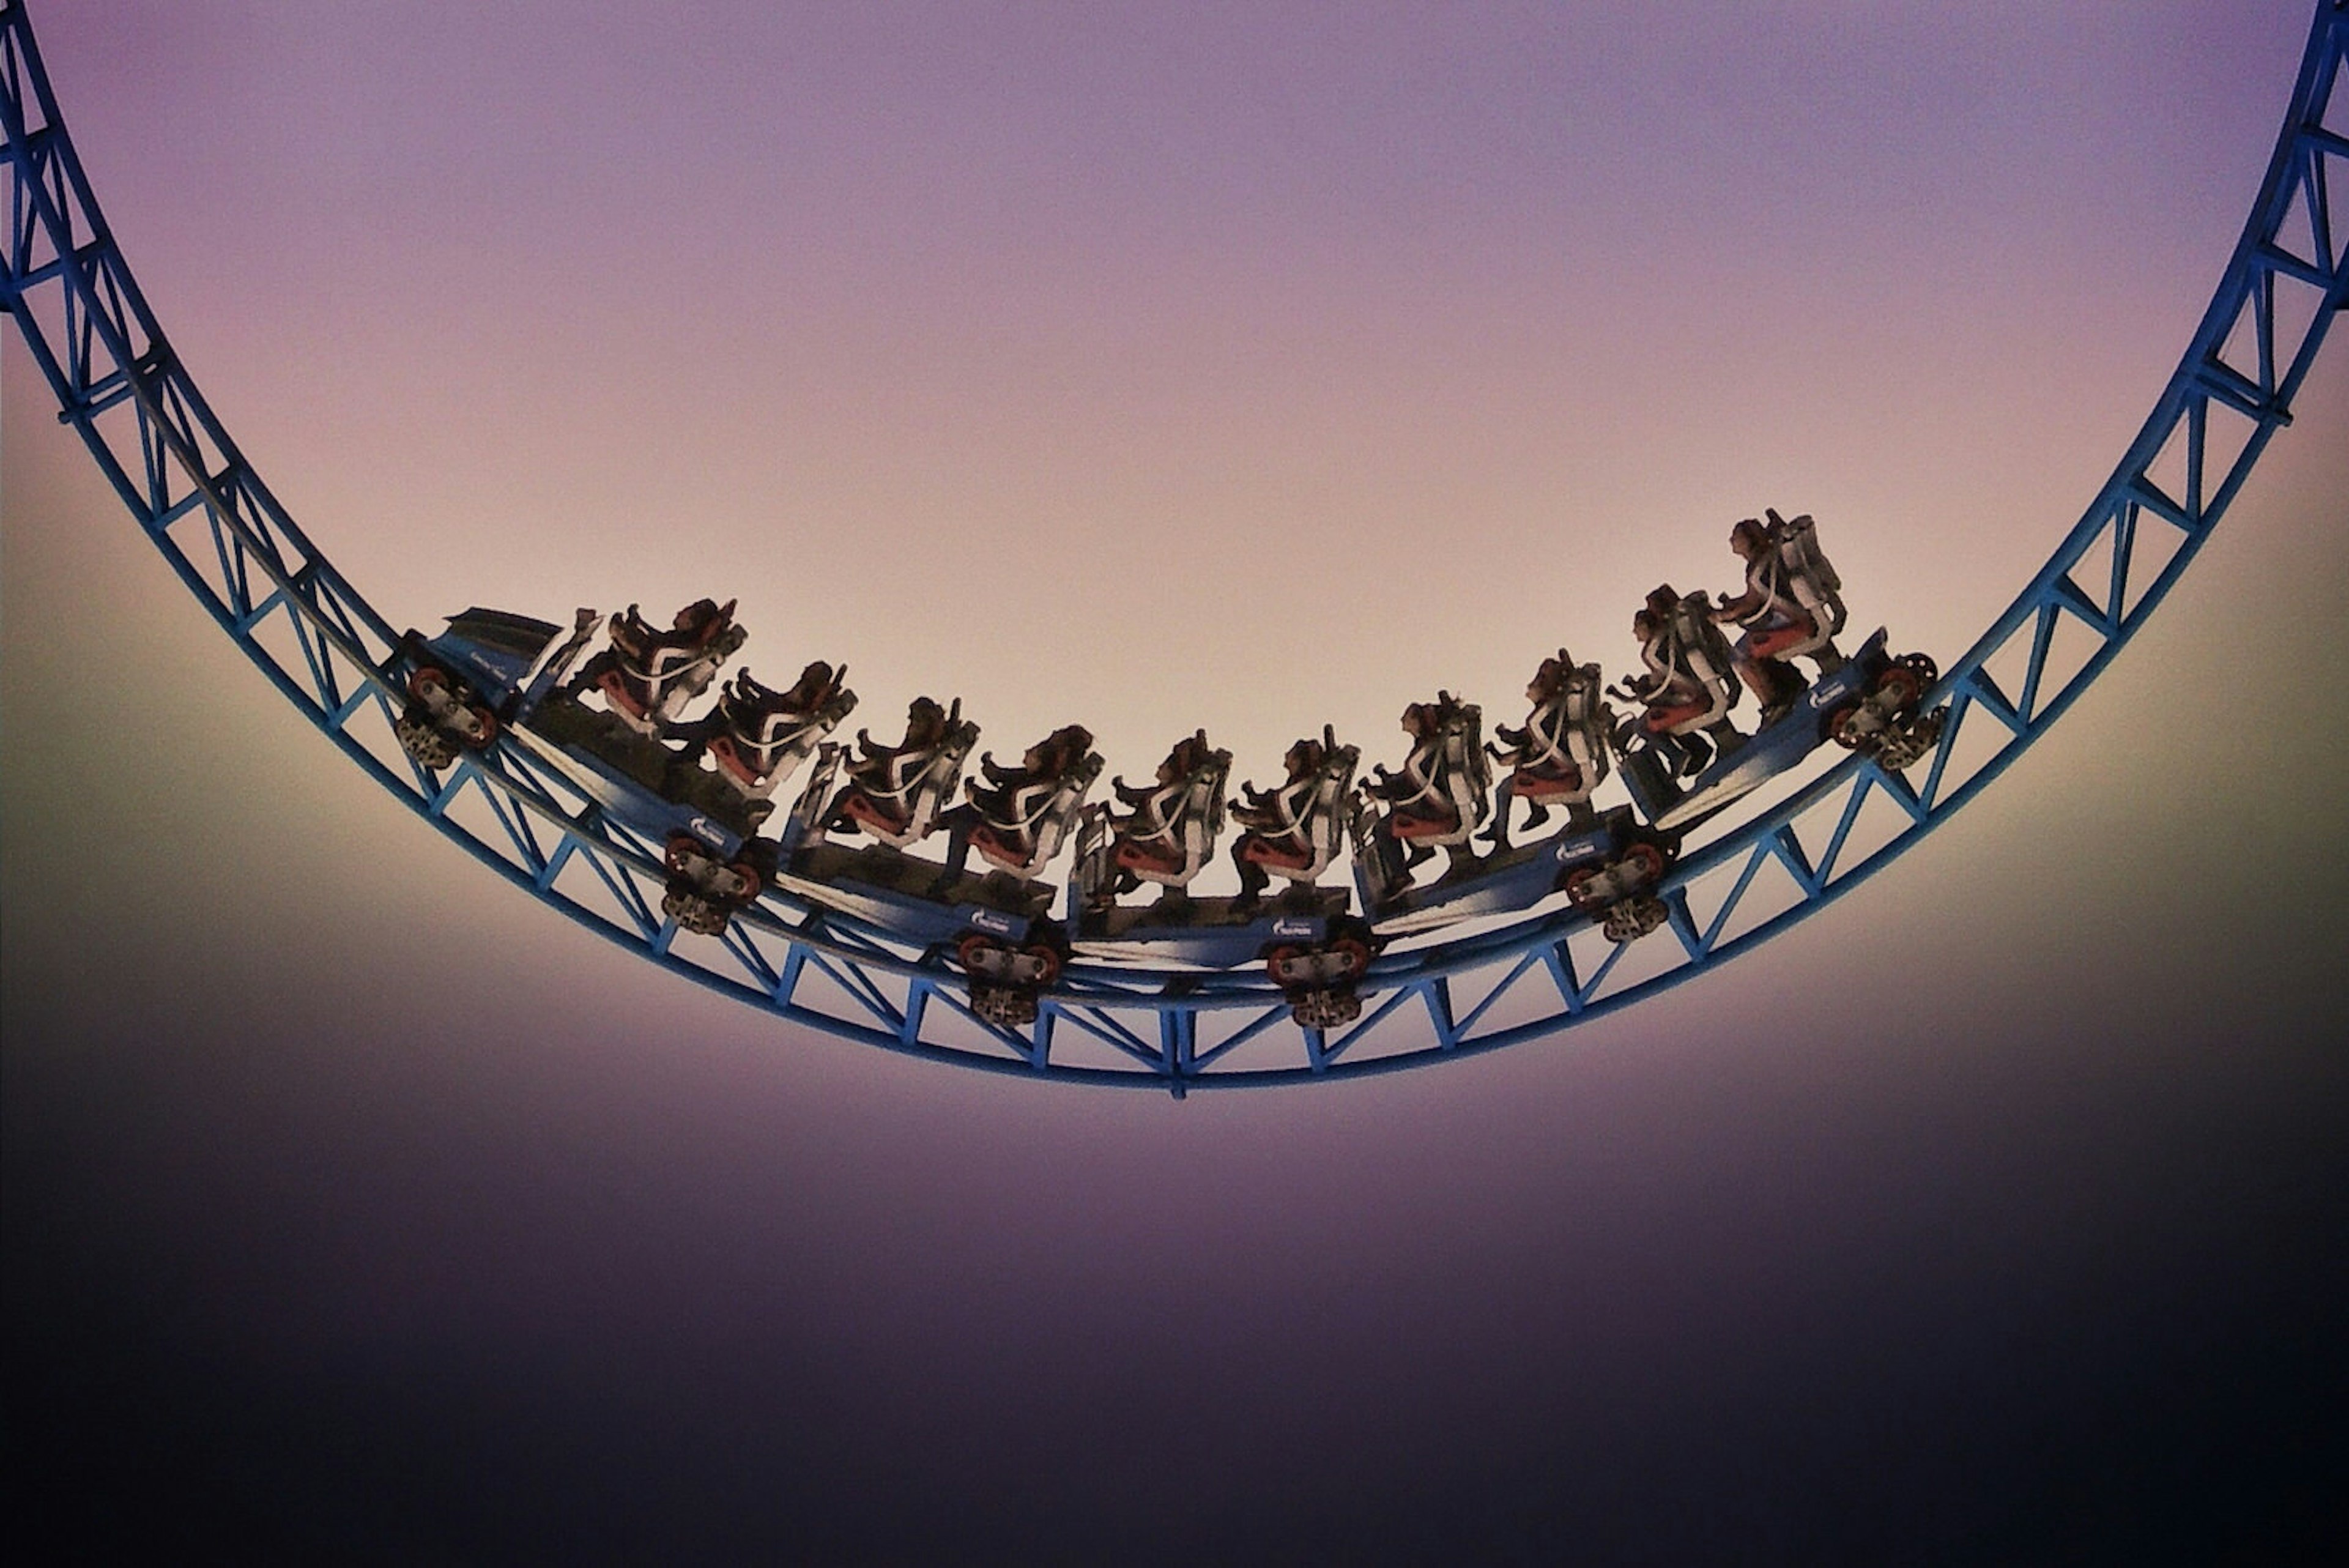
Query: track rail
pixel 184 482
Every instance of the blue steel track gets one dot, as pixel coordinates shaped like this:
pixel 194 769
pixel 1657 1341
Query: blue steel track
pixel 184 482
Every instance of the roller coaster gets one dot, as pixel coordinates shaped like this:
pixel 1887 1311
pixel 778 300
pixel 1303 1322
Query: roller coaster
pixel 588 779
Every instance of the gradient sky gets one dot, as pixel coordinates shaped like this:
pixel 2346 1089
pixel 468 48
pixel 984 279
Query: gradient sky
pixel 1248 367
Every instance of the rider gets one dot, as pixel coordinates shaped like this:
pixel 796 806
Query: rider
pixel 1560 755
pixel 1286 826
pixel 1012 803
pixel 814 687
pixel 1784 614
pixel 1688 700
pixel 691 629
pixel 660 665
pixel 1154 835
pixel 763 721
pixel 1424 802
pixel 886 777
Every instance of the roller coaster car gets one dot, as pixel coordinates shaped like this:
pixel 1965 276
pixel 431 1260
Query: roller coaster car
pixel 1607 867
pixel 715 864
pixel 1872 702
pixel 997 925
pixel 1313 949
pixel 1198 933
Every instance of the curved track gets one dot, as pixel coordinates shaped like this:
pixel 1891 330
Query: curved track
pixel 1742 881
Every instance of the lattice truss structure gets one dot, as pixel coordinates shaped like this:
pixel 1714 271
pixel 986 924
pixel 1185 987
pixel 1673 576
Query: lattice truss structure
pixel 1454 991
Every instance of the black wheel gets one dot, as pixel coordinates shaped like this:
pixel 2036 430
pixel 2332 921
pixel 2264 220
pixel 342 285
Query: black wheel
pixel 694 913
pixel 1003 1007
pixel 1900 750
pixel 422 740
pixel 1634 918
pixel 1325 1010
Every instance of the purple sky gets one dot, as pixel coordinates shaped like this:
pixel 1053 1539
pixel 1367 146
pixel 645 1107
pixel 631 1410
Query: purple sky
pixel 1323 356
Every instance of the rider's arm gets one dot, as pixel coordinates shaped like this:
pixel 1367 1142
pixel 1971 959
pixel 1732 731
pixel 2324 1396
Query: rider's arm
pixel 1742 606
pixel 1419 774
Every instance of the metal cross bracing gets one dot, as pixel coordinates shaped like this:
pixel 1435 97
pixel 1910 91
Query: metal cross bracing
pixel 1453 994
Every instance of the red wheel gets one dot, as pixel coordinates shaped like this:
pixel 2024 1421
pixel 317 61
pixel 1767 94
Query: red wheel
pixel 1898 685
pixel 1357 953
pixel 424 680
pixel 1651 861
pixel 675 856
pixel 1048 962
pixel 1578 885
pixel 489 733
pixel 969 951
pixel 1279 959
pixel 750 882
pixel 1839 727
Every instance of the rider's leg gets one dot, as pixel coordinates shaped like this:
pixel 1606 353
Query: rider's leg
pixel 957 850
pixel 1496 832
pixel 1254 878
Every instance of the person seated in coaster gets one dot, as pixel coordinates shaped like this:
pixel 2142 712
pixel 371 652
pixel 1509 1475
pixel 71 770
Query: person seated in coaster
pixel 1017 818
pixel 1560 755
pixel 1171 830
pixel 896 793
pixel 1790 609
pixel 1686 688
pixel 1296 828
pixel 1436 800
pixel 758 735
pixel 646 676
